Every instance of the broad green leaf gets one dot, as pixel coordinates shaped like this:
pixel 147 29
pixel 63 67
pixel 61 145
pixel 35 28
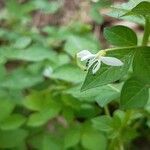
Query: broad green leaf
pixel 22 42
pixel 119 10
pixel 40 118
pixel 49 143
pixel 6 107
pixel 107 124
pixel 12 122
pixel 12 138
pixel 102 95
pixel 68 72
pixel 134 94
pixel 45 141
pixel 120 36
pixel 108 74
pixel 22 78
pixel 75 44
pixel 141 64
pixel 142 8
pixel 94 140
pixel 37 101
pixel 72 137
pixel 34 53
pixel 87 111
pixel 103 123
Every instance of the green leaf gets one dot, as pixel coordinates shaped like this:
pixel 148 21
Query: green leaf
pixel 141 64
pixel 22 42
pixel 142 8
pixel 108 74
pixel 49 143
pixel 103 123
pixel 102 95
pixel 37 101
pixel 93 140
pixel 95 15
pixel 118 11
pixel 34 53
pixel 45 141
pixel 72 137
pixel 75 44
pixel 120 36
pixel 12 138
pixel 42 117
pixel 134 94
pixel 22 78
pixel 12 122
pixel 69 73
pixel 6 107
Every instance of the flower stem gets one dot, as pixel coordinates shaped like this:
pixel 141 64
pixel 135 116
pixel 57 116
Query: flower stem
pixel 121 146
pixel 106 110
pixel 146 32
pixel 125 48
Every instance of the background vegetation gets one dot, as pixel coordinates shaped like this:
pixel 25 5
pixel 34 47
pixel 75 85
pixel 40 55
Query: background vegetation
pixel 41 103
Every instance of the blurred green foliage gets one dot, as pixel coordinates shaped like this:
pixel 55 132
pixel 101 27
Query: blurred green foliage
pixel 41 104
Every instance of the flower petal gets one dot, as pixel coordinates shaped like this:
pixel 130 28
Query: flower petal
pixel 84 55
pixel 96 67
pixel 112 61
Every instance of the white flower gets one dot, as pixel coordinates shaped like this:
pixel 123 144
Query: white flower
pixel 96 59
pixel 48 71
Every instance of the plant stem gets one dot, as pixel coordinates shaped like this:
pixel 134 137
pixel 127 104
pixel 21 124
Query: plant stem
pixel 146 32
pixel 124 48
pixel 106 110
pixel 121 146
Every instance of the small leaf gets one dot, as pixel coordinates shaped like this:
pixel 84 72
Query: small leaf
pixel 134 94
pixel 22 42
pixel 103 123
pixel 12 122
pixel 37 101
pixel 12 138
pixel 120 36
pixel 75 44
pixel 94 140
pixel 72 137
pixel 6 107
pixel 42 117
pixel 69 73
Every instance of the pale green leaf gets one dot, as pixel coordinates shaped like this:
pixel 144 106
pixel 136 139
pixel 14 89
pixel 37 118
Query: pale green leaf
pixel 69 73
pixel 75 44
pixel 22 42
pixel 40 118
